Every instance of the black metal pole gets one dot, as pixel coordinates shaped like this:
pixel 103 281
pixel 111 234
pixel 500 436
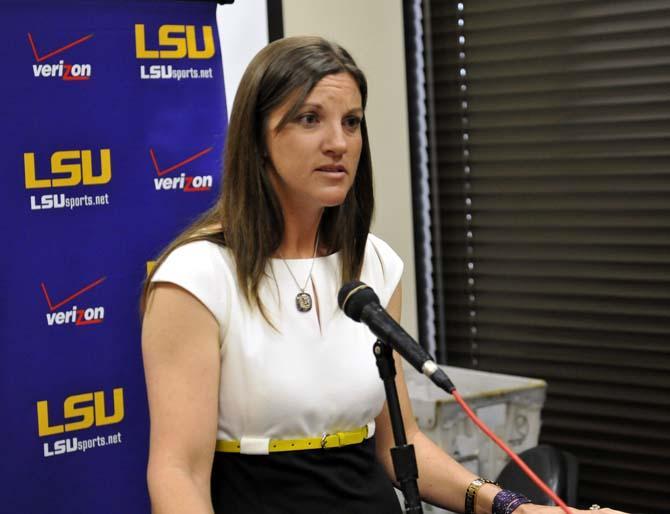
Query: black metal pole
pixel 402 454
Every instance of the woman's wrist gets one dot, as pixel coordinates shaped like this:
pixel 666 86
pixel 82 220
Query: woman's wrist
pixel 526 508
pixel 507 502
pixel 485 497
pixel 472 495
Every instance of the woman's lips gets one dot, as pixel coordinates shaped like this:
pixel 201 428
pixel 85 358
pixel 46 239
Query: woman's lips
pixel 332 169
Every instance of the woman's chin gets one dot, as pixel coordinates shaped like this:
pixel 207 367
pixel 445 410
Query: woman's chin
pixel 334 201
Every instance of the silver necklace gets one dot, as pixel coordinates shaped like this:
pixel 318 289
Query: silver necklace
pixel 303 300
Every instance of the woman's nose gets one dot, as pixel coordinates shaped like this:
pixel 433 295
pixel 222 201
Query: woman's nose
pixel 335 140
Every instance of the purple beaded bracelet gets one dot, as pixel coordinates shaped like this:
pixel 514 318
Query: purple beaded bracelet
pixel 506 501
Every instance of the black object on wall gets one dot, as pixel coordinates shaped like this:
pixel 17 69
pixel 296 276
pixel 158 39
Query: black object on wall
pixel 275 20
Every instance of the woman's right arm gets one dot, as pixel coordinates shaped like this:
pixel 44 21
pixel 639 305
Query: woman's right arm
pixel 181 363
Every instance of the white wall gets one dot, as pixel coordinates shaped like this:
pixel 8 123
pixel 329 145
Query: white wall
pixel 372 31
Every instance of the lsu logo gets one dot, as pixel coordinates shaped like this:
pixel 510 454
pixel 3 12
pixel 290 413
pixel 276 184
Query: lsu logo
pixel 175 42
pixel 81 411
pixel 69 168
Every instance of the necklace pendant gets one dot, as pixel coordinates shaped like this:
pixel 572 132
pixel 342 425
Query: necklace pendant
pixel 303 301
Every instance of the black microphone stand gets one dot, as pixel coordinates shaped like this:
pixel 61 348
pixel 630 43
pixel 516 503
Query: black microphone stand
pixel 404 459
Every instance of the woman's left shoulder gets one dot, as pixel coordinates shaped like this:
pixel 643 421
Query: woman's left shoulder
pixel 382 267
pixel 376 246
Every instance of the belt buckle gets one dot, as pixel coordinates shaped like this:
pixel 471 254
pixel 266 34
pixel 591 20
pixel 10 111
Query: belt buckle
pixel 324 440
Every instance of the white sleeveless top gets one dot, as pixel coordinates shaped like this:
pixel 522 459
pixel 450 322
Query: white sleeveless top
pixel 317 373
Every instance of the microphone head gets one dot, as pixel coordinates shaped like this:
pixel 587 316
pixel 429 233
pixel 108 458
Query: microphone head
pixel 354 296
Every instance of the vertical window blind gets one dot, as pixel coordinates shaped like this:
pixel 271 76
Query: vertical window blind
pixel 552 140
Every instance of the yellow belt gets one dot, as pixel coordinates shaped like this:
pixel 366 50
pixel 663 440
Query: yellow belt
pixel 311 443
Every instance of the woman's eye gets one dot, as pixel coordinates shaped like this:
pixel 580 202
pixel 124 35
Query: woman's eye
pixel 308 119
pixel 352 122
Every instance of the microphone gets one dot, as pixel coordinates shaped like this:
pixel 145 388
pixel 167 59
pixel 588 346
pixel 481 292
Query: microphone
pixel 361 303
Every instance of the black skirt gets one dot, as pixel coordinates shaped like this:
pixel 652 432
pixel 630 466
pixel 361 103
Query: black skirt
pixel 346 480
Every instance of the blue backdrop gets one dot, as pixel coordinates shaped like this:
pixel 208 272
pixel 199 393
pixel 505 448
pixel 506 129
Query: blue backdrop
pixel 114 121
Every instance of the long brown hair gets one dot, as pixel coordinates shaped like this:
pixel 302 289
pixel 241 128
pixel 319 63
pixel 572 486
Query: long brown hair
pixel 247 218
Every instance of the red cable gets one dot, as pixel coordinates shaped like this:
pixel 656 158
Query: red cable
pixel 524 467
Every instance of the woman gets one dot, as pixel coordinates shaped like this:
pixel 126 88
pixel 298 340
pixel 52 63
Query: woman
pixel 251 368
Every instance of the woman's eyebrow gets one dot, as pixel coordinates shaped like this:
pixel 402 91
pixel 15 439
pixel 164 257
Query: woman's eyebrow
pixel 310 105
pixel 319 107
